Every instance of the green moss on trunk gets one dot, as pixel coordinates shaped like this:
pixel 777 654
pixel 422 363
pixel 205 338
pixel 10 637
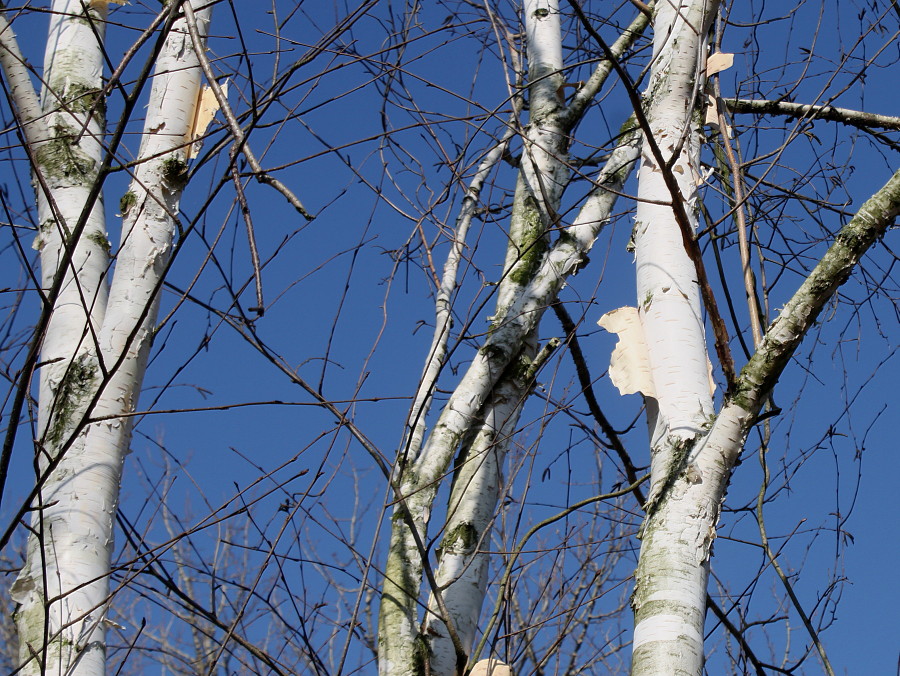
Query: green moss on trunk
pixel 61 158
pixel 76 385
pixel 532 244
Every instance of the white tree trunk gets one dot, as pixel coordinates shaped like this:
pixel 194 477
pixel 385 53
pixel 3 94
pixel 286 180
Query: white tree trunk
pixel 66 174
pixel 670 587
pixel 684 521
pixel 463 557
pixel 67 569
pixel 437 353
pixel 694 451
pixel 402 650
pixel 66 164
pixel 477 486
pixel 535 271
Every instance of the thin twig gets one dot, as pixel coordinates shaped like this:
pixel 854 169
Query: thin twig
pixel 251 239
pixel 514 554
pixel 722 616
pixel 764 540
pixel 233 125
pixel 740 218
pixel 584 378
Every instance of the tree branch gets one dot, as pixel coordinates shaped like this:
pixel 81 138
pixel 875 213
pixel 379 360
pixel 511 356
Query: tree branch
pixel 233 125
pixel 854 118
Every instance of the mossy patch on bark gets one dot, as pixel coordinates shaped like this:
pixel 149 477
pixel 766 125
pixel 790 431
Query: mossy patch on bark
pixel 533 244
pixel 463 538
pixel 128 200
pixel 175 172
pixel 76 384
pixel 100 240
pixel 60 158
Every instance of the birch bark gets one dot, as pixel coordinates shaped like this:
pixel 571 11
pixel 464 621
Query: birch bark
pixel 478 483
pixel 694 451
pixel 56 627
pixel 669 601
pixel 685 520
pixel 63 590
pixel 483 409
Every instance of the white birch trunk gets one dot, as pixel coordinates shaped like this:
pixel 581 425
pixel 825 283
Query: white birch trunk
pixel 671 593
pixel 535 271
pixel 66 173
pixel 402 650
pixel 66 164
pixel 670 587
pixel 668 292
pixel 463 558
pixel 463 562
pixel 66 574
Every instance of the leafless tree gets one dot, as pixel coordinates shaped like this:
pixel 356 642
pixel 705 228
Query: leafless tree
pixel 359 440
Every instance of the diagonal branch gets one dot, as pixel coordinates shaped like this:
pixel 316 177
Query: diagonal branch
pixel 26 104
pixel 584 379
pixel 233 125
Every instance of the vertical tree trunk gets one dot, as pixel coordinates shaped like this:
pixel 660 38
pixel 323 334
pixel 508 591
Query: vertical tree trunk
pixel 484 406
pixel 477 485
pixel 679 530
pixel 57 591
pixel 63 590
pixel 670 587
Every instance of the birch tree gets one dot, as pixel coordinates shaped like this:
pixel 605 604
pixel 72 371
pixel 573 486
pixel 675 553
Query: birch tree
pixel 693 446
pixel 694 450
pixel 95 344
pixel 669 583
pixel 483 409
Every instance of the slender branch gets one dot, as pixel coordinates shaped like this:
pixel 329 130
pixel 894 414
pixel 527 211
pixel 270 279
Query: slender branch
pixel 234 126
pixel 584 379
pixel 437 354
pixel 854 118
pixel 722 616
pixel 740 217
pixel 26 105
pixel 584 95
pixel 251 239
pixel 514 554
pixel 646 10
pixel 787 331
